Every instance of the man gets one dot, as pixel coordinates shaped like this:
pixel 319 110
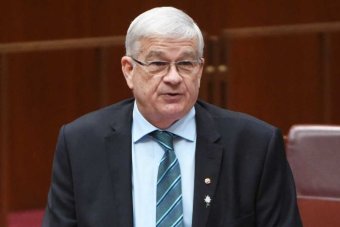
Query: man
pixel 165 158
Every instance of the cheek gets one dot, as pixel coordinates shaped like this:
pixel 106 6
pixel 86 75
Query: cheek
pixel 144 87
pixel 194 85
pixel 199 83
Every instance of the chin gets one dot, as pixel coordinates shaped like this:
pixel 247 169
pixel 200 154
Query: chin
pixel 174 112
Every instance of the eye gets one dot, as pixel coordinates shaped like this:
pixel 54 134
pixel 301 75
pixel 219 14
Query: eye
pixel 187 64
pixel 158 63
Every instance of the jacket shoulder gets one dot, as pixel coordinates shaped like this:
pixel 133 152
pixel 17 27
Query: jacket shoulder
pixel 102 118
pixel 225 118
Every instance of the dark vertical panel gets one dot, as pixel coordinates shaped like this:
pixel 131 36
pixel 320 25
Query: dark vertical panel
pixel 325 70
pixel 335 79
pixel 3 138
pixel 208 71
pixel 101 55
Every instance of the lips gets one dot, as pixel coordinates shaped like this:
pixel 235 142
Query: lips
pixel 172 94
pixel 172 97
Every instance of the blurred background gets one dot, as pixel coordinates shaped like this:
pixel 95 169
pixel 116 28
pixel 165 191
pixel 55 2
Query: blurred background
pixel 277 60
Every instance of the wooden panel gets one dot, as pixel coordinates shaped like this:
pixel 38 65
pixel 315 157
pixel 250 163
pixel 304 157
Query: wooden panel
pixel 277 79
pixel 282 80
pixel 335 79
pixel 260 13
pixel 44 20
pixel 3 138
pixel 42 99
pixel 214 84
pixel 49 89
pixel 114 82
pixel 319 212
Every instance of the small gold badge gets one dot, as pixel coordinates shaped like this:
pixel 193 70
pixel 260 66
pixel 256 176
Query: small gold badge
pixel 207 180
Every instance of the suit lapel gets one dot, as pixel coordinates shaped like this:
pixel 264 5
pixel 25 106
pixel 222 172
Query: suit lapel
pixel 118 148
pixel 207 166
pixel 207 162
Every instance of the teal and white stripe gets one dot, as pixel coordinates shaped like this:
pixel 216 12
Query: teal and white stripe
pixel 169 210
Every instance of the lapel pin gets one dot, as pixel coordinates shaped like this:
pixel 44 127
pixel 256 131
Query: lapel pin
pixel 207 200
pixel 207 180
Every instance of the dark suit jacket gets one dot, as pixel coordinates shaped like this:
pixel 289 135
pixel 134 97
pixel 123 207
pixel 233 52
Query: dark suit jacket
pixel 251 182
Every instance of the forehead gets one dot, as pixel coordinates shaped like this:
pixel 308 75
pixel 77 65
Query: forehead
pixel 167 47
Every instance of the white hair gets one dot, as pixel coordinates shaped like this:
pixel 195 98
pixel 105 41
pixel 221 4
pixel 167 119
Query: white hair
pixel 163 22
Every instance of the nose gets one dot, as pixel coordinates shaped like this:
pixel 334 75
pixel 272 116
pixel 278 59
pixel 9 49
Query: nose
pixel 172 76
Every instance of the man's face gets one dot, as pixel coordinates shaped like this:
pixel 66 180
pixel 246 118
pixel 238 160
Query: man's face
pixel 163 98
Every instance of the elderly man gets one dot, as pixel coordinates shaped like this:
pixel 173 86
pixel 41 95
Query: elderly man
pixel 164 158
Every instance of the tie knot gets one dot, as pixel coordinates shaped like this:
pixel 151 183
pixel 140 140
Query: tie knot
pixel 164 138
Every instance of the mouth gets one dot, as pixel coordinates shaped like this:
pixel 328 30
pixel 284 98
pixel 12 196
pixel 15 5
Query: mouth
pixel 171 96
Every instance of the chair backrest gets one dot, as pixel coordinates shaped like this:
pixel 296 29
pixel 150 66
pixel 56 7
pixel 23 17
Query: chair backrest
pixel 313 152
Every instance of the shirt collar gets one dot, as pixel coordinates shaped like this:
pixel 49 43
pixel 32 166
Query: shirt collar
pixel 185 127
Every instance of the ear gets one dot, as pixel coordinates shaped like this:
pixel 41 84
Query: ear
pixel 127 68
pixel 201 72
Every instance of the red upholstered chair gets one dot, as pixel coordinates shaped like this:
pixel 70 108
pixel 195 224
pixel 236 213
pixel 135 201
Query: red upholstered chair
pixel 313 152
pixel 29 218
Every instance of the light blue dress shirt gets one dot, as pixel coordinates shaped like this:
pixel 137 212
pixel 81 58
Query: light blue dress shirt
pixel 146 156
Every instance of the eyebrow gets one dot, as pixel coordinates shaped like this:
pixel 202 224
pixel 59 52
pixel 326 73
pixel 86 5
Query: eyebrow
pixel 161 54
pixel 154 53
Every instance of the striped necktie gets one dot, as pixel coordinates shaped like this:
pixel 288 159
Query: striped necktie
pixel 169 210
